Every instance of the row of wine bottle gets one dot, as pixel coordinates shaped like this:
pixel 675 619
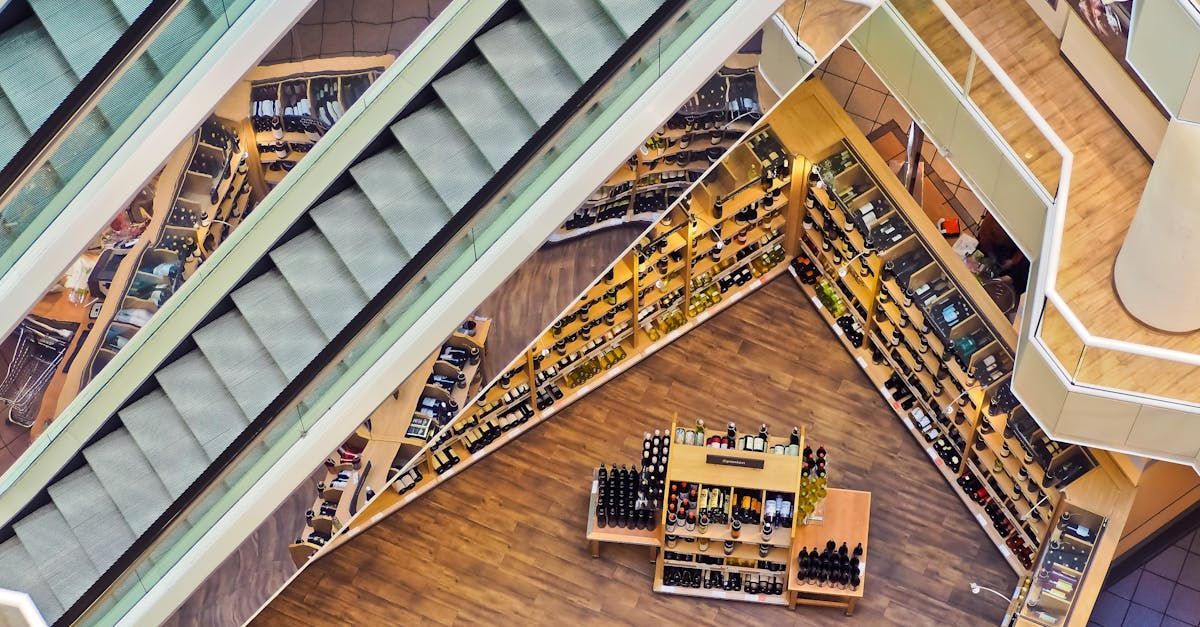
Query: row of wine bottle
pixel 712 560
pixel 836 566
pixel 730 440
pixel 683 577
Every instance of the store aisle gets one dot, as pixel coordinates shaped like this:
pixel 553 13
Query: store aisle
pixel 505 539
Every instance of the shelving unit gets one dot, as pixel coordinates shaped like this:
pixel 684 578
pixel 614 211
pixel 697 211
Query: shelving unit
pixel 374 453
pixel 988 447
pixel 847 518
pixel 673 159
pixel 313 101
pixel 734 472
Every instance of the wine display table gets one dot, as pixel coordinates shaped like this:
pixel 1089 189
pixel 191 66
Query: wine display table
pixel 616 535
pixel 848 518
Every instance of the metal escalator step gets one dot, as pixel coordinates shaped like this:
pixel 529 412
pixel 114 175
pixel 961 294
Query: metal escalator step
pixel 92 515
pixel 82 29
pixel 402 196
pixel 280 321
pixel 579 29
pixel 33 73
pixel 13 133
pixel 531 67
pixel 130 9
pixel 448 158
pixel 239 358
pixel 61 560
pixel 492 116
pixel 361 238
pixel 129 479
pixel 200 397
pixel 319 277
pixel 629 15
pixel 165 440
pixel 19 572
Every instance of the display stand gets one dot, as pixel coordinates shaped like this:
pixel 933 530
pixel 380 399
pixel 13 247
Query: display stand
pixel 737 472
pixel 616 535
pixel 847 516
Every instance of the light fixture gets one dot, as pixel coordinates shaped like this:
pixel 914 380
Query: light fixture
pixel 975 588
pixel 949 408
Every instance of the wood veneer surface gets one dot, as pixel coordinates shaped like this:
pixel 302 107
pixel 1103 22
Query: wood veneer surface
pixel 504 539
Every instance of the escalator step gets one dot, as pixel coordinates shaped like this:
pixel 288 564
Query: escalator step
pixel 92 515
pixel 165 440
pixel 279 320
pixel 530 66
pixel 241 361
pixel 361 238
pixel 129 479
pixel 201 399
pixel 449 159
pixel 496 122
pixel 579 29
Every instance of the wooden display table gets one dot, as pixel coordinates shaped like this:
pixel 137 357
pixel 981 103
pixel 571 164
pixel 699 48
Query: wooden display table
pixel 847 519
pixel 616 535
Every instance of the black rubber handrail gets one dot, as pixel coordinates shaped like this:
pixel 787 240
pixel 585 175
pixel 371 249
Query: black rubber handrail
pixel 292 392
pixel 82 99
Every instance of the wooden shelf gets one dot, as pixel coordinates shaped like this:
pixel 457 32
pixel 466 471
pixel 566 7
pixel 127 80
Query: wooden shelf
pixel 847 519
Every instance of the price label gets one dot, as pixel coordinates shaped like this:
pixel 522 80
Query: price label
pixel 837 331
pixel 595 485
pixel 816 301
pixel 1004 551
pixel 862 363
pixel 907 423
pixel 982 521
pixel 932 455
pixel 762 598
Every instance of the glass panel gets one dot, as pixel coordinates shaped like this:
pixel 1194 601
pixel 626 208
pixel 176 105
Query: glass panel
pixel 1138 374
pixel 614 100
pixel 1060 338
pixel 143 84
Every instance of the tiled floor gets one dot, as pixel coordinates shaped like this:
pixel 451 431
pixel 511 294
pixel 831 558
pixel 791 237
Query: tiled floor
pixel 355 27
pixel 1165 592
pixel 871 106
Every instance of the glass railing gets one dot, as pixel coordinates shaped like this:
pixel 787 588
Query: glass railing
pixel 104 126
pixel 415 291
pixel 1000 145
pixel 974 81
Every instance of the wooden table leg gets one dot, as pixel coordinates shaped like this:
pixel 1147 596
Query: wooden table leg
pixel 791 600
pixel 594 547
pixel 850 606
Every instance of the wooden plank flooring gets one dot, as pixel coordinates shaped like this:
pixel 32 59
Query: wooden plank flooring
pixel 542 287
pixel 504 540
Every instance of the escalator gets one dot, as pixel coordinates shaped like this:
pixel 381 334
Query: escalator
pixel 50 66
pixel 419 182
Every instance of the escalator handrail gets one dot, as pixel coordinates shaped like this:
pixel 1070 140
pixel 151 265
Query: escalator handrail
pixel 84 97
pixel 292 392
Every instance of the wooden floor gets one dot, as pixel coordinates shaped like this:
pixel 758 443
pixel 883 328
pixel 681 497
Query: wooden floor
pixel 504 540
pixel 542 287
